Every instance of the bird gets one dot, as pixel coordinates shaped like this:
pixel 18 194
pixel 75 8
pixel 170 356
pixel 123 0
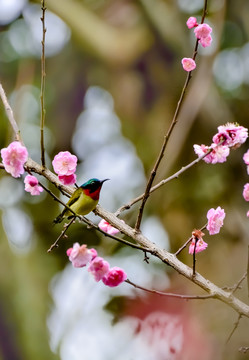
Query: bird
pixel 84 199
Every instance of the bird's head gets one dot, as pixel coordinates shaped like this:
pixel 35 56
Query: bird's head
pixel 92 188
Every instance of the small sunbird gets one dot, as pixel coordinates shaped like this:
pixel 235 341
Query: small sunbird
pixel 83 200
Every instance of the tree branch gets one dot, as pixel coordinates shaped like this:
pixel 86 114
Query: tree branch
pixel 10 114
pixel 178 296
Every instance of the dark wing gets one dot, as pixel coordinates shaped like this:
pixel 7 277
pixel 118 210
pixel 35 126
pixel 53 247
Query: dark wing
pixel 70 202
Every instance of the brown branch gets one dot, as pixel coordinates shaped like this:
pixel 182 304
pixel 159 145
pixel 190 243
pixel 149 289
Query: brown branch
pixel 178 296
pixel 43 75
pixel 236 324
pixel 167 136
pixel 248 271
pixel 66 227
pixel 10 114
pixel 194 258
pixel 237 286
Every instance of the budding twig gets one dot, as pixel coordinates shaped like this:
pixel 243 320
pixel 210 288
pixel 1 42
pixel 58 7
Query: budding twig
pixel 66 227
pixel 43 75
pixel 168 134
pixel 10 114
pixel 178 296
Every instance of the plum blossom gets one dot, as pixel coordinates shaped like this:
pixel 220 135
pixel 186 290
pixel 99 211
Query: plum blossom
pixel 219 153
pixel 98 268
pixel 200 246
pixel 215 220
pixel 233 135
pixel 106 227
pixel 94 253
pixel 114 277
pixel 32 186
pixel 202 31
pixel 205 42
pixel 246 157
pixel 67 179
pixel 246 192
pixel 191 22
pixel 64 163
pixel 14 158
pixel 188 64
pixel 80 256
pixel 200 243
pixel 246 160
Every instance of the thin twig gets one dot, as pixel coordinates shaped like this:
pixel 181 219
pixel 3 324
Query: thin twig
pixel 194 258
pixel 163 182
pixel 55 244
pixel 236 324
pixel 10 114
pixel 167 136
pixel 248 271
pixel 43 75
pixel 236 286
pixel 179 296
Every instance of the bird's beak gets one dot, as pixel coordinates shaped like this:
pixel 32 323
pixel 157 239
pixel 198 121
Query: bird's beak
pixel 104 180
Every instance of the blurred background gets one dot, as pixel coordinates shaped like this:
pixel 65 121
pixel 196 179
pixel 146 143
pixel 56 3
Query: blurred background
pixel 113 79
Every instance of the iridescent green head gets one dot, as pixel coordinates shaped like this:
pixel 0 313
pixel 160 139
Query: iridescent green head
pixel 93 184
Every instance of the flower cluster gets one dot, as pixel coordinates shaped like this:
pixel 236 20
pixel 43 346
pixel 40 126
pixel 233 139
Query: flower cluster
pixel 14 157
pixel 64 165
pixel 215 222
pixel 228 136
pixel 81 256
pixel 203 34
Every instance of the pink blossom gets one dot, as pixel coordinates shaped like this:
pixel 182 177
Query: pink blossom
pixel 246 157
pixel 191 22
pixel 106 227
pixel 215 220
pixel 188 64
pixel 247 214
pixel 14 158
pixel 200 243
pixel 67 179
pixel 202 31
pixel 246 192
pixel 205 42
pixel 64 163
pixel 99 268
pixel 219 153
pixel 233 135
pixel 114 277
pixel 32 186
pixel 200 246
pixel 94 253
pixel 79 255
